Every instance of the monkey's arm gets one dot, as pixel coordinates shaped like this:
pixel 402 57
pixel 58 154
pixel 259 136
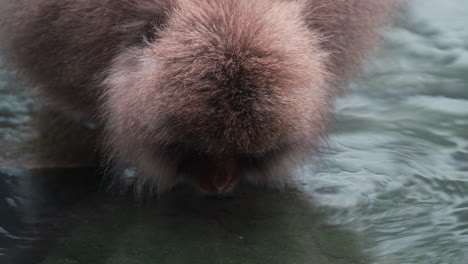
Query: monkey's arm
pixel 350 29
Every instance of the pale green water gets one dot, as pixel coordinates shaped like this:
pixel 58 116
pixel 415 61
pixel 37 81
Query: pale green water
pixel 393 186
pixel 397 169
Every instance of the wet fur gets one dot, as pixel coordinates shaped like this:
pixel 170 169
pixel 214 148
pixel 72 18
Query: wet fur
pixel 173 81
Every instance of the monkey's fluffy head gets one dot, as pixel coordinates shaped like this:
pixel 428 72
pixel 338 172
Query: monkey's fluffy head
pixel 226 90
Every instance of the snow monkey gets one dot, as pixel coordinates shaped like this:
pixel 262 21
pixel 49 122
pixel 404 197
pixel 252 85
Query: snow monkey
pixel 202 91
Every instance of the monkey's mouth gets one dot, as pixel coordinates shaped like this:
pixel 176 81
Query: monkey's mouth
pixel 214 175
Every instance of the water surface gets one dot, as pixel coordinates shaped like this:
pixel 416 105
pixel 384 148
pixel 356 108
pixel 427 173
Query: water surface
pixel 392 186
pixel 397 167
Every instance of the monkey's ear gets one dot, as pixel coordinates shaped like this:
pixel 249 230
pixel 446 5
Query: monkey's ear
pixel 151 29
pixel 147 19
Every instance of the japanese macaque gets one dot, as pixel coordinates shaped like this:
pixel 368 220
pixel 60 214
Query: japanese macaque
pixel 204 91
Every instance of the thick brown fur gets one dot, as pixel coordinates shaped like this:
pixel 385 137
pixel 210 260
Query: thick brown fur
pixel 178 83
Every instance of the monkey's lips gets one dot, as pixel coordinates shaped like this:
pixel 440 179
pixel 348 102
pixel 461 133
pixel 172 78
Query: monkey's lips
pixel 215 176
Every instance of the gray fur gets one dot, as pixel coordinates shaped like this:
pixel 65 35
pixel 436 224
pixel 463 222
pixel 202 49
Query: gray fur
pixel 179 83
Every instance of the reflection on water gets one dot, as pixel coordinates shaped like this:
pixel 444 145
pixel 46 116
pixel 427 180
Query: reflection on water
pixel 32 208
pixel 393 187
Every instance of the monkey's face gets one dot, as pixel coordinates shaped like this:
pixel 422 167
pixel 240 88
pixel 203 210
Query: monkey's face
pixel 226 90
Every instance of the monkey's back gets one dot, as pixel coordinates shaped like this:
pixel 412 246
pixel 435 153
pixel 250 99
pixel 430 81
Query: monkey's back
pixel 65 46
